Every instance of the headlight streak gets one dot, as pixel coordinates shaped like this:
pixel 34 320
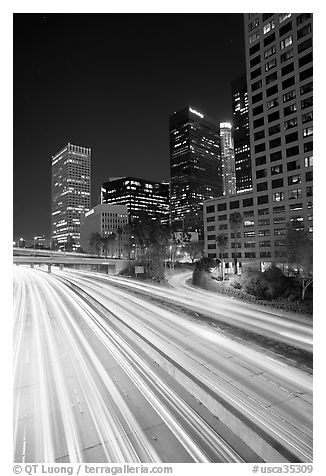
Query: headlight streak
pixel 143 376
pixel 19 322
pixel 127 301
pixel 191 345
pixel 286 434
pixel 244 315
pixel 106 418
pixel 51 312
pixel 103 409
pixel 42 320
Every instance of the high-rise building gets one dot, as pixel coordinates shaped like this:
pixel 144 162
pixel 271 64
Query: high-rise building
pixel 71 193
pixel 227 154
pixel 139 195
pixel 196 166
pixel 241 137
pixel 280 89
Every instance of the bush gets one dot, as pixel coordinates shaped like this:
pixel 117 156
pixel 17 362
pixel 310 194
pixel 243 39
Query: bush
pixel 201 271
pixel 202 279
pixel 205 264
pixel 235 281
pixel 255 284
pixel 258 288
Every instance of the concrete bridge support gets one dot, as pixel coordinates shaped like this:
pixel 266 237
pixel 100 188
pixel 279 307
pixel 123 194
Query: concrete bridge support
pixel 32 265
pixel 61 266
pixel 49 268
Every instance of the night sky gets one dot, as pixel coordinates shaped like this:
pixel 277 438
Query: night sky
pixel 110 82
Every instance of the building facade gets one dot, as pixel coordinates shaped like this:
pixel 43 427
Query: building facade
pixel 227 155
pixel 279 78
pixel 142 197
pixel 105 219
pixel 71 193
pixel 196 166
pixel 241 136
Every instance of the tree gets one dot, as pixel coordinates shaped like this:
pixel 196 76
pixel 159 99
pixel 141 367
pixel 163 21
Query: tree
pixel 96 243
pixel 236 223
pixel 195 248
pixel 119 233
pixel 129 242
pixel 177 240
pixel 69 245
pixel 107 241
pixel 222 241
pixel 151 238
pixel 202 270
pixel 299 252
pixel 54 244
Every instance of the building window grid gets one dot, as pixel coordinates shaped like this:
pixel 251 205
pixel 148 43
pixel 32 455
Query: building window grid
pixel 293 122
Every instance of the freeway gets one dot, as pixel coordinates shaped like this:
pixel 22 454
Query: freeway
pixel 83 392
pixel 282 326
pixel 84 369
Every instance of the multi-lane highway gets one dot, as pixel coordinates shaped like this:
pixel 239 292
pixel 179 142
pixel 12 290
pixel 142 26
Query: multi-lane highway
pixel 280 325
pixel 88 386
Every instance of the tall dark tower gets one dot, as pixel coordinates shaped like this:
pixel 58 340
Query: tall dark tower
pixel 196 166
pixel 241 135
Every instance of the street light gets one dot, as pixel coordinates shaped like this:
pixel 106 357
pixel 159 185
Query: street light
pixel 35 238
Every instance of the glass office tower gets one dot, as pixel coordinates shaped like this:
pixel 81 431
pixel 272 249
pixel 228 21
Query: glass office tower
pixel 196 166
pixel 227 154
pixel 241 137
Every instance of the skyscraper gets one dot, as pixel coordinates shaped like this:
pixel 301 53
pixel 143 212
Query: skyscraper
pixel 280 85
pixel 196 166
pixel 227 154
pixel 241 137
pixel 280 99
pixel 139 195
pixel 71 193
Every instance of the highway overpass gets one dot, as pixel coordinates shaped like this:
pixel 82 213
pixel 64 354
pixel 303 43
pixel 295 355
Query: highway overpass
pixel 112 265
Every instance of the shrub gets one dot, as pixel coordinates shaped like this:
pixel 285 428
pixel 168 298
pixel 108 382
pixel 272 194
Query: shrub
pixel 205 264
pixel 255 284
pixel 202 269
pixel 255 287
pixel 202 279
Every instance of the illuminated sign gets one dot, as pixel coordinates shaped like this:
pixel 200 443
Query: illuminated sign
pixel 89 213
pixel 225 125
pixel 196 112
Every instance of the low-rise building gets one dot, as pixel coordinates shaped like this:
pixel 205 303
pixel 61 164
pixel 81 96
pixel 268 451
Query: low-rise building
pixel 260 239
pixel 105 219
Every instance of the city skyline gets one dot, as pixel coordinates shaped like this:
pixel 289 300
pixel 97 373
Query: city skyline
pixel 171 317
pixel 101 105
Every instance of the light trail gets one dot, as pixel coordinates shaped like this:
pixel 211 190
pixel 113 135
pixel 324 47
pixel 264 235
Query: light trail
pixel 290 424
pixel 68 403
pixel 271 323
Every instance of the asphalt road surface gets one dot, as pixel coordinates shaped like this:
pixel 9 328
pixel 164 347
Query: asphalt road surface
pixel 280 325
pixel 85 391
